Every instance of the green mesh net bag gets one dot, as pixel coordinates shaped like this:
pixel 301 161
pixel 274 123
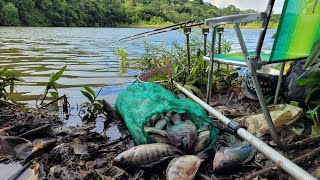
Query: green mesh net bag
pixel 138 102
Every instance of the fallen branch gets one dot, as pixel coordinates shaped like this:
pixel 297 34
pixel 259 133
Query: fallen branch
pixel 59 98
pixel 299 160
pixel 307 141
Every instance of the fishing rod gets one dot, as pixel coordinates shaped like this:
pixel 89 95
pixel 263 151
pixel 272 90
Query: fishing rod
pixel 159 29
pixel 166 30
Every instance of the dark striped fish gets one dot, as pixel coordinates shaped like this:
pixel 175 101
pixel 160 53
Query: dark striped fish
pixel 146 155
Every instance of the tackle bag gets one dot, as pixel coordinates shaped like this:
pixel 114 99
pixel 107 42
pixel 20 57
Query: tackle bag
pixel 138 102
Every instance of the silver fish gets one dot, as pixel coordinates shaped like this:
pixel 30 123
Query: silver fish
pixel 146 155
pixel 183 168
pixel 202 141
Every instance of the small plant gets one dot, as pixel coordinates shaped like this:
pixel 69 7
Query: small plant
pixel 311 77
pixel 51 84
pixel 123 57
pixel 313 114
pixel 8 78
pixel 94 106
pixel 193 79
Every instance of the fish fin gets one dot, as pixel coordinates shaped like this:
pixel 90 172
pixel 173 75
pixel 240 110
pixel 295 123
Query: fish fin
pixel 158 162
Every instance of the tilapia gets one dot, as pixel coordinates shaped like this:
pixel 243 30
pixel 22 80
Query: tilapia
pixel 159 139
pixel 146 155
pixel 161 123
pixel 227 159
pixel 182 135
pixel 175 117
pixel 159 136
pixel 183 168
pixel 203 139
pixel 152 120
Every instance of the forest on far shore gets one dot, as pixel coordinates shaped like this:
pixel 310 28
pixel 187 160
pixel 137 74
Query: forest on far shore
pixel 109 13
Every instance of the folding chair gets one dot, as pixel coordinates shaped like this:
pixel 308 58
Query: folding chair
pixel 299 28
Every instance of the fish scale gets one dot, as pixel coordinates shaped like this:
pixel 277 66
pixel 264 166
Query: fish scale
pixel 145 155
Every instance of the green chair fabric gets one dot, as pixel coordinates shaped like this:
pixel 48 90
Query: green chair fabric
pixel 299 28
pixel 238 56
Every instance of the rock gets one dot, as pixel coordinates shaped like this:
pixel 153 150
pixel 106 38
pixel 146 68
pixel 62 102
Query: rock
pixel 282 115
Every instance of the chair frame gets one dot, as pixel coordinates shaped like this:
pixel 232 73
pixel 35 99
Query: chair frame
pixel 253 63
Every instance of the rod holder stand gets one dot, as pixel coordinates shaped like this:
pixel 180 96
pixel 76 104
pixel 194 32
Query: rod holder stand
pixel 186 30
pixel 205 31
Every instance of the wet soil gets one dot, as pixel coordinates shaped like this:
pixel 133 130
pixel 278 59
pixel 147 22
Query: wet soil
pixel 82 153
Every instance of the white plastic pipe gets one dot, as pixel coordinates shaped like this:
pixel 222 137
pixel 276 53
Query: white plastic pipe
pixel 287 165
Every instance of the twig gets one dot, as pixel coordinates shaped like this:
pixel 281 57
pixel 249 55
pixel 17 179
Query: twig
pixel 307 141
pixel 59 98
pixel 299 160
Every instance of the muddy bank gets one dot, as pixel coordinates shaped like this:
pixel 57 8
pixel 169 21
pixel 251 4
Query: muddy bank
pixel 81 153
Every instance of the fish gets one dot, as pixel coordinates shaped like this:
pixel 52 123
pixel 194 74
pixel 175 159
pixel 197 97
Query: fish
pixel 159 139
pixel 152 120
pixel 146 155
pixel 159 136
pixel 182 135
pixel 176 118
pixel 227 159
pixel 151 130
pixel 203 139
pixel 183 168
pixel 161 123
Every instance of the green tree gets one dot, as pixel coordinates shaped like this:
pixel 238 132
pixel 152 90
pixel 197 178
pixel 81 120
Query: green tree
pixel 10 15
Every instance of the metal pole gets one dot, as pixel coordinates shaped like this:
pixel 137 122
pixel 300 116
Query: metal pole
pixel 187 31
pixel 220 31
pixel 263 104
pixel 279 83
pixel 205 32
pixel 287 165
pixel 209 85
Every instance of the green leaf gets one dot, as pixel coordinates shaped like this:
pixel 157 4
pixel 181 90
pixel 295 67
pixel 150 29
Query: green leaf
pixel 197 91
pixel 315 130
pixel 86 94
pixel 90 91
pixel 54 95
pixel 310 92
pixel 194 89
pixel 315 53
pixel 297 128
pixel 312 76
pixel 294 103
pixel 158 78
pixel 58 74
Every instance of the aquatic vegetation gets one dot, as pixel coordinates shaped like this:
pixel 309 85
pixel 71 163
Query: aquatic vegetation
pixel 123 57
pixel 8 78
pixel 51 84
pixel 94 106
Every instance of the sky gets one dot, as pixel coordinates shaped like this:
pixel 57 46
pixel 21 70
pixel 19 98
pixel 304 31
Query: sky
pixel 258 5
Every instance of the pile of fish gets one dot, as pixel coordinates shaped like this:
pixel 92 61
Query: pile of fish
pixel 178 130
pixel 178 139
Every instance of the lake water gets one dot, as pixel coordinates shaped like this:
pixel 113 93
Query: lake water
pixel 37 52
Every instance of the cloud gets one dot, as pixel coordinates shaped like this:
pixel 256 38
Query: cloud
pixel 258 5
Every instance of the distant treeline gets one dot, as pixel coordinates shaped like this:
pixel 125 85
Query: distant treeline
pixel 108 13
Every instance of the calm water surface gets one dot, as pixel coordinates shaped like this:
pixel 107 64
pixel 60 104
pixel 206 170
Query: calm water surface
pixel 37 52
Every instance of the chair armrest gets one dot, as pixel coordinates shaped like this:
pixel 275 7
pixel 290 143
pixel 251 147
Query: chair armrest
pixel 240 18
